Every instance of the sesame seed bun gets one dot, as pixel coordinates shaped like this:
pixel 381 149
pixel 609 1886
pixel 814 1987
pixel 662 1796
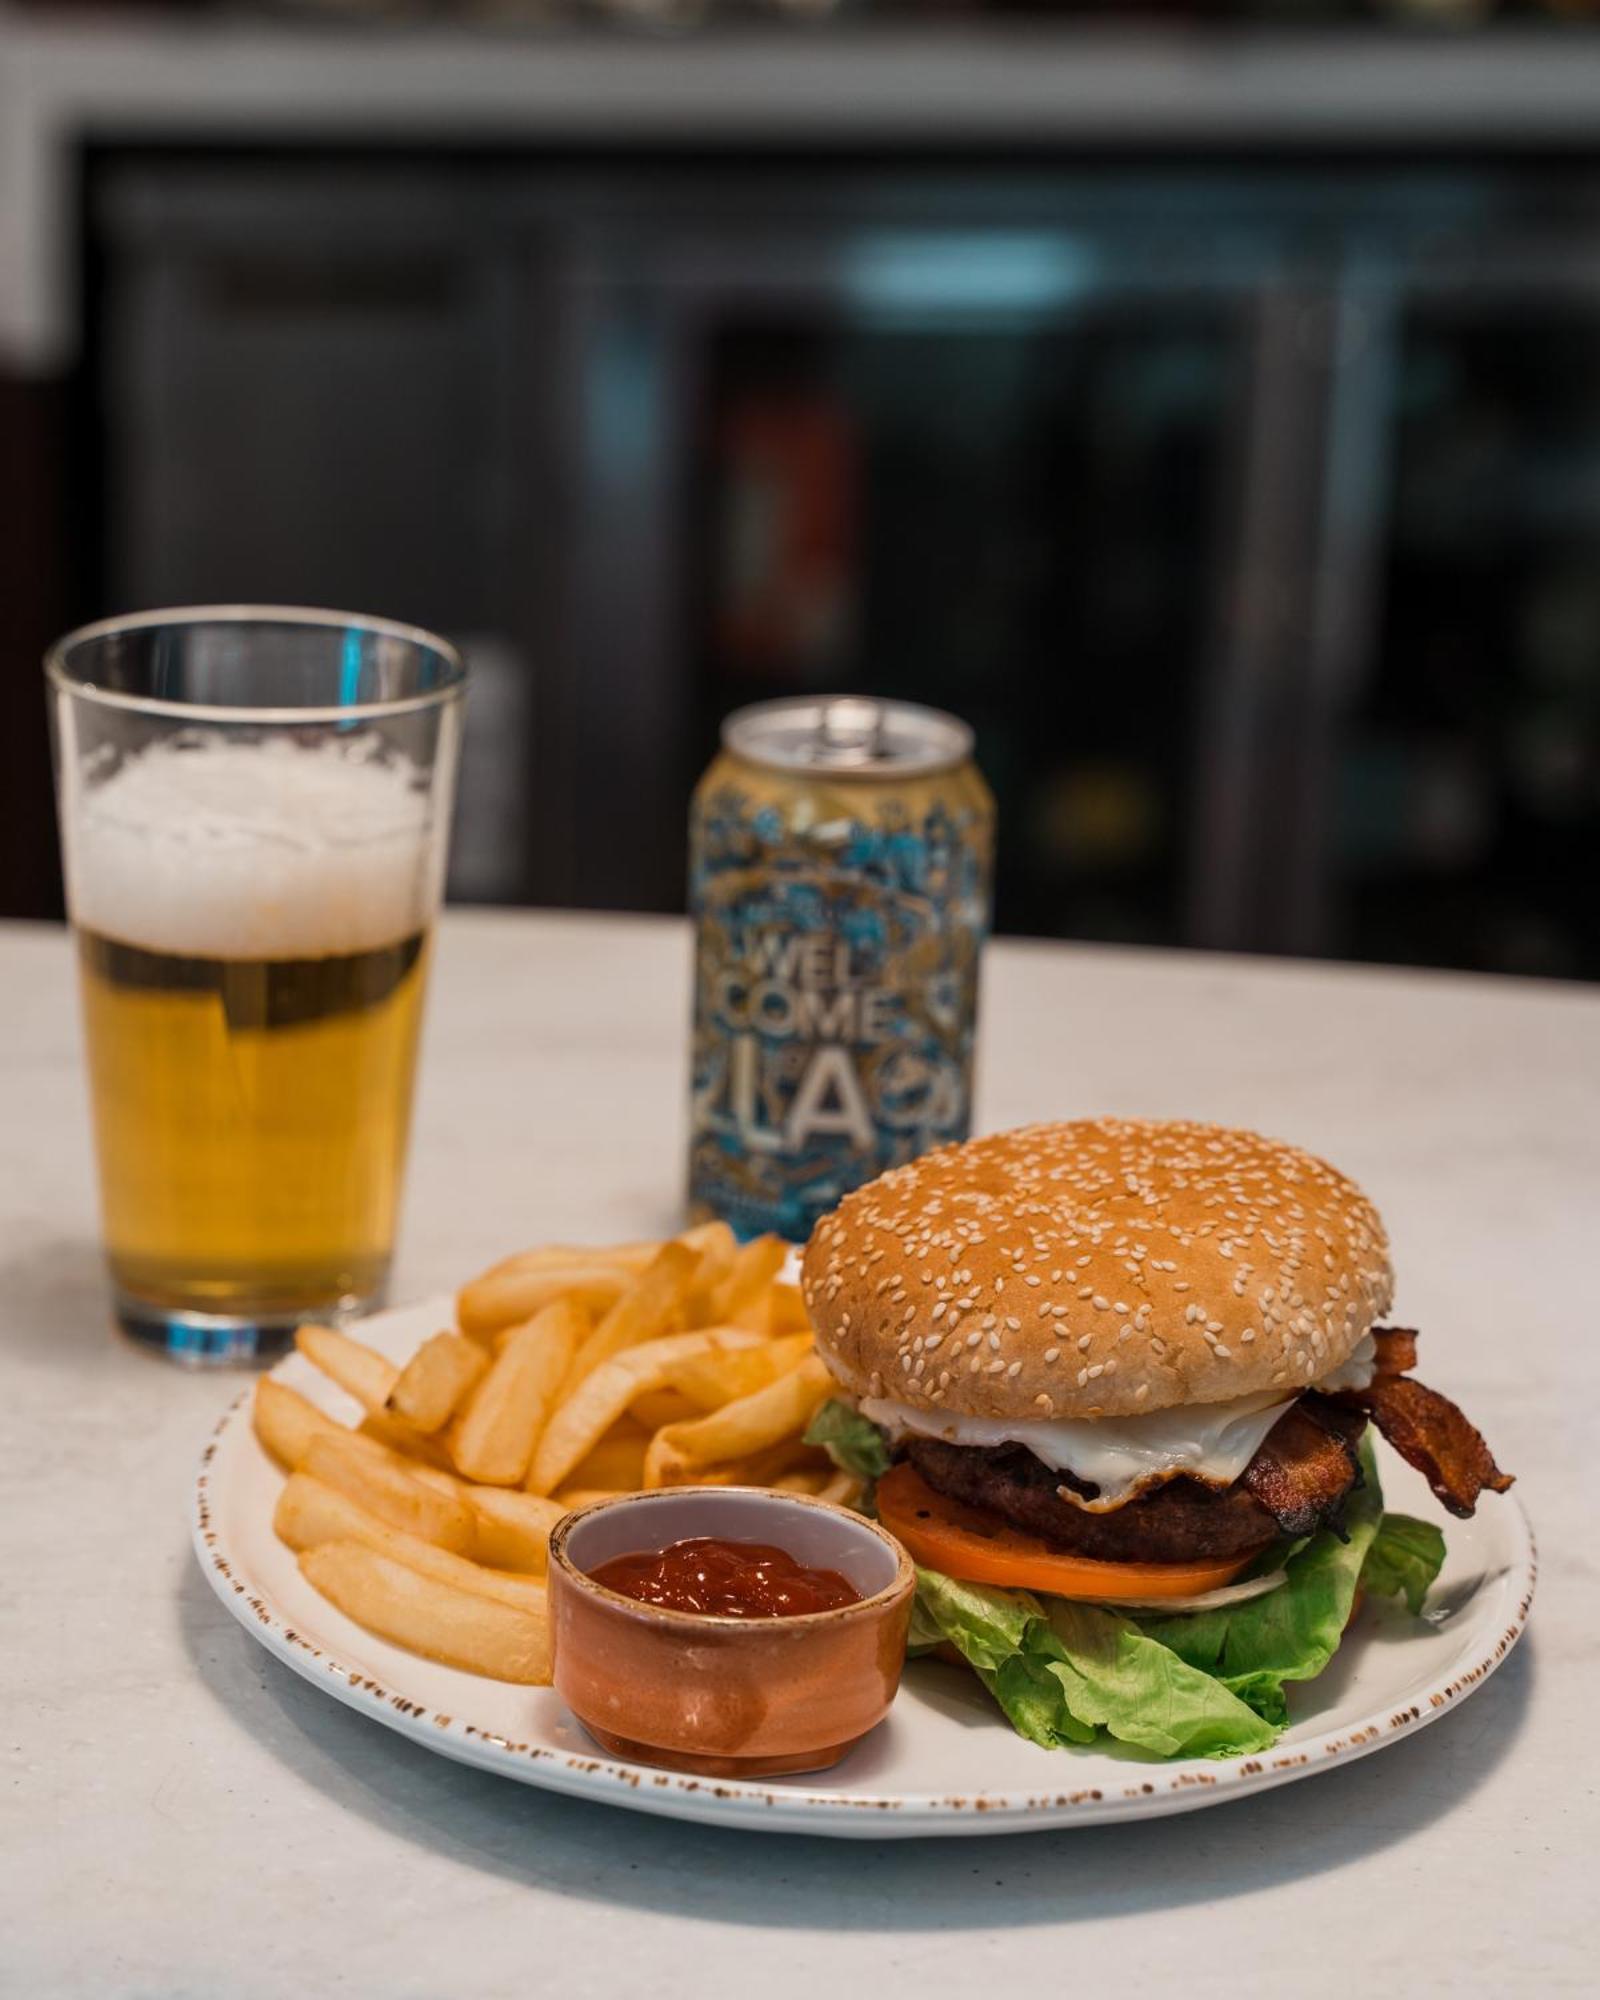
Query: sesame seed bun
pixel 1102 1268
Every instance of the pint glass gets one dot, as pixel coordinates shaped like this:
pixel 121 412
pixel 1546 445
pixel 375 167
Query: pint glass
pixel 254 806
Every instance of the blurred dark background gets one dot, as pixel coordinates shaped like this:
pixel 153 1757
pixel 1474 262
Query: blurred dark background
pixel 1205 403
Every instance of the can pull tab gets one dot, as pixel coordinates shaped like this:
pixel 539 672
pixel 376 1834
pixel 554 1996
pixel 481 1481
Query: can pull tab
pixel 851 731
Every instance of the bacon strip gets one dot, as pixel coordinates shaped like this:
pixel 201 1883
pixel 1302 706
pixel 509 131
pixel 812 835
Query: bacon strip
pixel 1430 1433
pixel 1397 1350
pixel 1305 1467
pixel 1345 1423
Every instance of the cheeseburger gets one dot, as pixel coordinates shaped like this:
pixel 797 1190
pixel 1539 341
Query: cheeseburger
pixel 1122 1359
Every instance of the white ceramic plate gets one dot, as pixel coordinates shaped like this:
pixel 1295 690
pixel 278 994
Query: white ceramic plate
pixel 943 1763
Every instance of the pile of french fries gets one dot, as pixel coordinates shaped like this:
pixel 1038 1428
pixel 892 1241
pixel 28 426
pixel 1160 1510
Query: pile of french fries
pixel 570 1374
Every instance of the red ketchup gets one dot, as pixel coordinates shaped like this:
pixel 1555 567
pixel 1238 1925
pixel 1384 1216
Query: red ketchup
pixel 726 1580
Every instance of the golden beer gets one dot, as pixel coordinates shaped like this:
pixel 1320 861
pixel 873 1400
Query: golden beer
pixel 251 1120
pixel 254 808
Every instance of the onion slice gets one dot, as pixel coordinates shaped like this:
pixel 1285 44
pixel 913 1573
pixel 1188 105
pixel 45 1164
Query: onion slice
pixel 1209 1600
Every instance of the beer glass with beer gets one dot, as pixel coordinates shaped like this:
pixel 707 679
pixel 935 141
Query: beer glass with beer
pixel 254 807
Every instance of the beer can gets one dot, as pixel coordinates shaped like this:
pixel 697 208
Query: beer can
pixel 841 858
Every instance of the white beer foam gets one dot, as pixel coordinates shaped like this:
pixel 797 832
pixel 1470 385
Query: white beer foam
pixel 261 850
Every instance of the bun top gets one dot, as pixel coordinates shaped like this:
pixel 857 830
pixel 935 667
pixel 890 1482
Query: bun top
pixel 1103 1268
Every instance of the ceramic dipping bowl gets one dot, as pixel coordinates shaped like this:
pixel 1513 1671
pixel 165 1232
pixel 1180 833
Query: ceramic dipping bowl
pixel 727 1697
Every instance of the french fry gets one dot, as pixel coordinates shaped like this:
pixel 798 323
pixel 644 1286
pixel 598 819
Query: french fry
pixel 715 1379
pixel 404 1439
pixel 804 1479
pixel 513 1529
pixel 756 1468
pixel 755 1315
pixel 822 1482
pixel 775 1310
pixel 360 1371
pixel 418 1457
pixel 441 1621
pixel 752 1271
pixel 616 1464
pixel 286 1422
pixel 435 1379
pixel 716 1261
pixel 646 1311
pixel 309 1513
pixel 738 1430
pixel 517 1287
pixel 578 1373
pixel 504 1298
pixel 786 1310
pixel 659 1407
pixel 699 1235
pixel 372 1478
pixel 439 1477
pixel 843 1489
pixel 583 1417
pixel 493 1441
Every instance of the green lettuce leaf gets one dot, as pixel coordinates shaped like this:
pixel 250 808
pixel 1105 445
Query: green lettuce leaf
pixel 1062 1672
pixel 924 1633
pixel 1184 1684
pixel 1255 1649
pixel 852 1441
pixel 1403 1560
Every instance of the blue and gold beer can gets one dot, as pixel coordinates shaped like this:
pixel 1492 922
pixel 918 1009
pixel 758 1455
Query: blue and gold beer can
pixel 841 861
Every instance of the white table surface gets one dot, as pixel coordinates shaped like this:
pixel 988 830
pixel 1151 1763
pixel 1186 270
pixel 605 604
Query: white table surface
pixel 182 1816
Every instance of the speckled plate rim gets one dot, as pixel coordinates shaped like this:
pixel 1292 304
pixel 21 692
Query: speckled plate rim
pixel 808 1806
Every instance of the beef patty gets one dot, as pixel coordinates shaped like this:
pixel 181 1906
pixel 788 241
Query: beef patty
pixel 1182 1521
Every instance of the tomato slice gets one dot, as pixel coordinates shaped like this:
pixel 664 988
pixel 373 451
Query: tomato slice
pixel 978 1547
